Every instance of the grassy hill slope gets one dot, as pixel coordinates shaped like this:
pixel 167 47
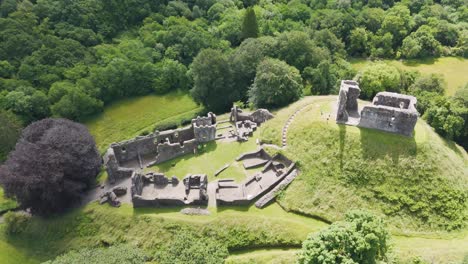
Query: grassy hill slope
pixel 419 183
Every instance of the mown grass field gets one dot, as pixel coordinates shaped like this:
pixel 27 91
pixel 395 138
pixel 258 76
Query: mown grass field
pixel 130 117
pixel 419 183
pixel 454 69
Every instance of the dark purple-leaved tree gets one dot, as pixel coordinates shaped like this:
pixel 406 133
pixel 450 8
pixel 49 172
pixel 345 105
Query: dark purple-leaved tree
pixel 53 163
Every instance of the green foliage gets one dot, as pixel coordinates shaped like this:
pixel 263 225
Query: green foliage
pixel 189 248
pixel 249 25
pixel 170 75
pixel 378 77
pixel 245 59
pixel 10 131
pixel 212 77
pixel 15 222
pixel 420 44
pixel 124 254
pixel 276 84
pixel 430 83
pixel 326 77
pixel 360 238
pixel 298 50
pixel 444 118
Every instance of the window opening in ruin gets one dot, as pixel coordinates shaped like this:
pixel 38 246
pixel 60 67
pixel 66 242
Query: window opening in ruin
pixel 402 105
pixel 124 150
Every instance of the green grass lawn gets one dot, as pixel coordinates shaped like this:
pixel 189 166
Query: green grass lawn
pixel 210 159
pixel 419 183
pixel 130 117
pixel 454 69
pixel 5 203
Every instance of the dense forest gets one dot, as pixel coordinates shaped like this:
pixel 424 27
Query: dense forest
pixel 67 58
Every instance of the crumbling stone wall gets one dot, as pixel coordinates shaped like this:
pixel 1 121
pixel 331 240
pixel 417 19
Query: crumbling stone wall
pixel 114 170
pixel 168 151
pixel 347 100
pixel 259 116
pixel 130 149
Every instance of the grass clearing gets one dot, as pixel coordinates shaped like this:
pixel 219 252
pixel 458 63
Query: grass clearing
pixel 419 183
pixel 5 203
pixel 130 117
pixel 452 68
pixel 213 157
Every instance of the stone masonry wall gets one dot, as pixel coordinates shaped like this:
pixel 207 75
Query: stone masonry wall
pixel 388 119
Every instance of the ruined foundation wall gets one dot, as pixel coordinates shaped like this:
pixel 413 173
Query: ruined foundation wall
pixel 388 119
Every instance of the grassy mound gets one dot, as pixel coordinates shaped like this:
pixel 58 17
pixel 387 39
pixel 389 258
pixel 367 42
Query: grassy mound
pixel 128 118
pixel 420 183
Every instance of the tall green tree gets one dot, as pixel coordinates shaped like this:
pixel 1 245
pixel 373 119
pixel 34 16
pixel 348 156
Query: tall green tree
pixel 361 238
pixel 249 25
pixel 212 79
pixel 276 84
pixel 10 131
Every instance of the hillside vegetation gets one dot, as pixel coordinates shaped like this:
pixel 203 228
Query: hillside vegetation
pixel 420 183
pixel 452 68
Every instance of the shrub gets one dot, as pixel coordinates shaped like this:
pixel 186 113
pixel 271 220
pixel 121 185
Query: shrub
pixel 188 248
pixel 361 238
pixel 120 254
pixel 378 77
pixel 15 222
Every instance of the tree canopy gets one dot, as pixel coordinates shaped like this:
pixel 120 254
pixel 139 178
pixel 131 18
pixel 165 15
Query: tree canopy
pixel 53 163
pixel 276 84
pixel 360 239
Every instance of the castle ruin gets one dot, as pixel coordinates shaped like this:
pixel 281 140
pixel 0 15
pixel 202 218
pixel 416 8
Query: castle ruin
pixel 391 112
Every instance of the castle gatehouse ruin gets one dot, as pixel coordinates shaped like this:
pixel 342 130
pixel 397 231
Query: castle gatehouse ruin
pixel 391 112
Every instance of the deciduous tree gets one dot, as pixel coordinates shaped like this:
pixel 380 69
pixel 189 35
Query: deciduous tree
pixel 53 163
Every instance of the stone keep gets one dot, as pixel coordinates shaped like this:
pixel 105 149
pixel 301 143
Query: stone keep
pixel 391 112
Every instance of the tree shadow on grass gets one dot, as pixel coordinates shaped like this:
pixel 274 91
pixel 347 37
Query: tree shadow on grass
pixel 379 145
pixel 417 62
pixel 450 144
pixel 342 143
